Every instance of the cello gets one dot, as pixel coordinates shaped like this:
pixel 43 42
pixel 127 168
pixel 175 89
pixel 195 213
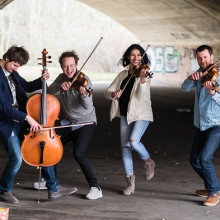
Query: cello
pixel 42 148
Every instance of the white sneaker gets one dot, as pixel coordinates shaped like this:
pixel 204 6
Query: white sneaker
pixel 94 193
pixel 41 185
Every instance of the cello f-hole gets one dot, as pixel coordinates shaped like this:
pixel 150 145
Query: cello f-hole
pixel 42 145
pixel 51 136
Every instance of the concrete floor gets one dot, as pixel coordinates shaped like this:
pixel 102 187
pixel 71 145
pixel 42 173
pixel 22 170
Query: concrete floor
pixel 168 196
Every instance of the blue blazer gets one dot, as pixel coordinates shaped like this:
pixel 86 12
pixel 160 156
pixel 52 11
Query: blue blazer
pixel 7 112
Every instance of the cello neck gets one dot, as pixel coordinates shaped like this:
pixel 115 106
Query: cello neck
pixel 44 102
pixel 44 89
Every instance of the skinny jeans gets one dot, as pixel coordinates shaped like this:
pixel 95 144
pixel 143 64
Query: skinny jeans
pixel 131 135
pixel 204 145
pixel 80 138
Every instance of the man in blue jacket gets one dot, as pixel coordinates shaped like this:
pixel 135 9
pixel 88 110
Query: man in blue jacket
pixel 13 99
pixel 207 122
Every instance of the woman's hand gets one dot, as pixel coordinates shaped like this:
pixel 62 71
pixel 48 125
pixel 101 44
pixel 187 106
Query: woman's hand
pixel 143 75
pixel 116 94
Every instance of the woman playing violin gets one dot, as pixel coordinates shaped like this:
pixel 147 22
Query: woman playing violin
pixel 77 106
pixel 133 105
pixel 206 120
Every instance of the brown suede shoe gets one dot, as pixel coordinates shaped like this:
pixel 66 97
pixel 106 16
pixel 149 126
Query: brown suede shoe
pixel 203 193
pixel 211 200
pixel 149 166
pixel 8 197
pixel 62 191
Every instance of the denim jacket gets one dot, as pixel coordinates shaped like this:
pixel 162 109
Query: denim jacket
pixel 206 106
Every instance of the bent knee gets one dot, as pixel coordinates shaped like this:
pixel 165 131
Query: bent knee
pixel 131 141
pixel 124 147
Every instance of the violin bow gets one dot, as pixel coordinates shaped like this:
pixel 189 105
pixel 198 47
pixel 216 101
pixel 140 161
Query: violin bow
pixel 66 126
pixel 122 90
pixel 75 77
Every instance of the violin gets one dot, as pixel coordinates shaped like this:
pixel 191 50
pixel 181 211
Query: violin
pixel 211 74
pixel 139 68
pixel 81 81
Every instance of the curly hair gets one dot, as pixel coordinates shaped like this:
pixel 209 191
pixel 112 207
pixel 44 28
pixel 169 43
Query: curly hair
pixel 124 61
pixel 17 54
pixel 70 53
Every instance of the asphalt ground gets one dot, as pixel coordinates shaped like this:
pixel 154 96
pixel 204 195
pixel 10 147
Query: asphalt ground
pixel 170 195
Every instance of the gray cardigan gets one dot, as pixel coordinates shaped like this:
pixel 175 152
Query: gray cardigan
pixel 75 108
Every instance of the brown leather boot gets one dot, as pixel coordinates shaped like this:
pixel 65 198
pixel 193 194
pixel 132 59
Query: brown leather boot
pixel 130 188
pixel 149 166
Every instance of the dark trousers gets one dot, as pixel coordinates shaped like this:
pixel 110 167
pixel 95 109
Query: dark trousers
pixel 80 138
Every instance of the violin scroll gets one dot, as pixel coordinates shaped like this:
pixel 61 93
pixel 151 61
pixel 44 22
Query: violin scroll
pixel 44 58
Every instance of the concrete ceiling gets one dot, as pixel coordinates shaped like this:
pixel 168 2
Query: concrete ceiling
pixel 3 3
pixel 163 21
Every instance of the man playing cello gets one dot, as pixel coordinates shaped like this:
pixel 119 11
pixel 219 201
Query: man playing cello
pixel 13 98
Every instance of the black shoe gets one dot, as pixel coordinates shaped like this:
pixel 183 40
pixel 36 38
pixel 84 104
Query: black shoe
pixel 62 191
pixel 8 197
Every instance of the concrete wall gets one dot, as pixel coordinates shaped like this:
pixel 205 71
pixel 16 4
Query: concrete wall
pixel 66 24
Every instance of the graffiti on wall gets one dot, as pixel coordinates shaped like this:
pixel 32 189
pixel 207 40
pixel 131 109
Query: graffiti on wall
pixel 164 59
pixel 194 64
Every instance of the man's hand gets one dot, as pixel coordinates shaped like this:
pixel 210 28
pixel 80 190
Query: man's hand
pixel 45 74
pixel 195 76
pixel 34 126
pixel 209 86
pixel 66 85
pixel 82 91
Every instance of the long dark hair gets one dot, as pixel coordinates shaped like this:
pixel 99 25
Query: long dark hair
pixel 124 61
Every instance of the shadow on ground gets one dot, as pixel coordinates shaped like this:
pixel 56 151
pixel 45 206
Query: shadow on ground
pixel 169 195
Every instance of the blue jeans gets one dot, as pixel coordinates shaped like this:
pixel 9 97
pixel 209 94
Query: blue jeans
pixel 204 146
pixel 49 175
pixel 134 131
pixel 13 148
